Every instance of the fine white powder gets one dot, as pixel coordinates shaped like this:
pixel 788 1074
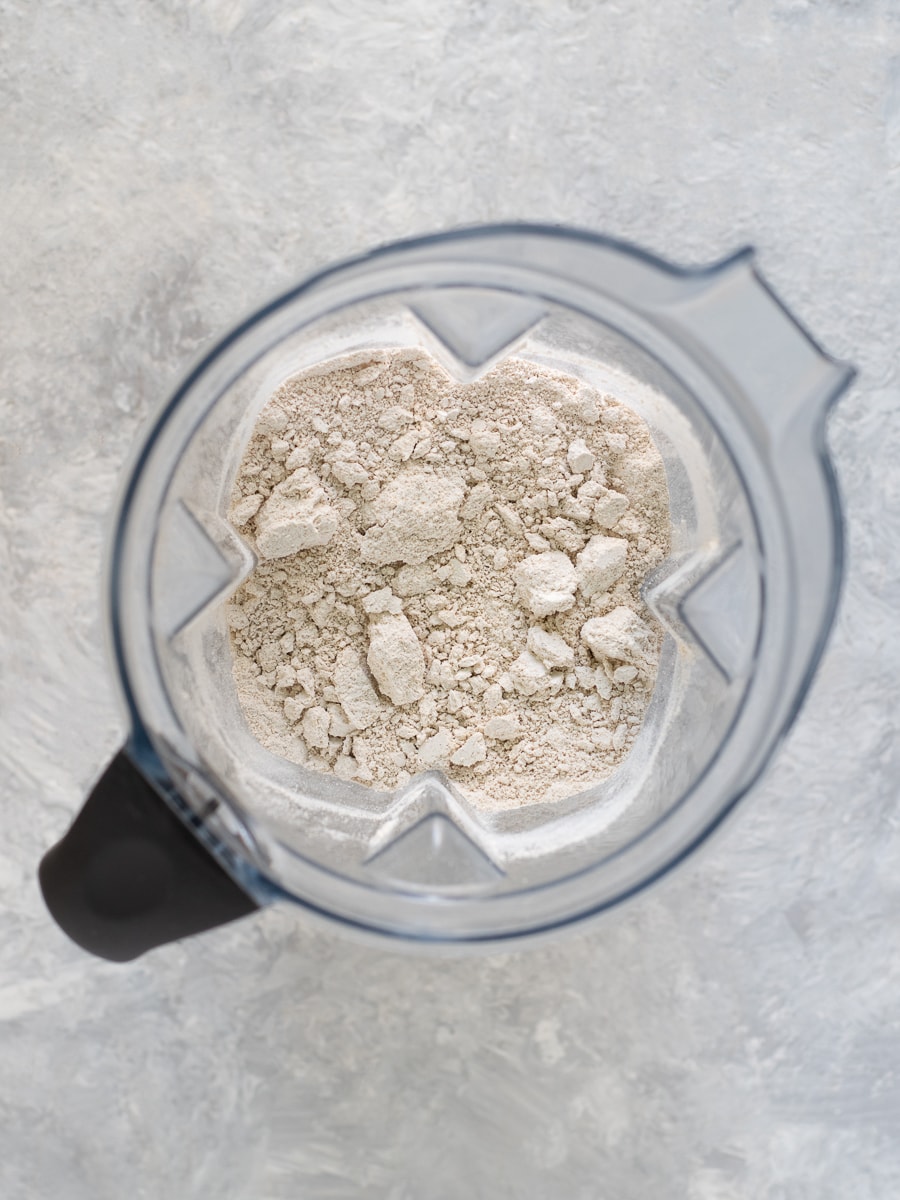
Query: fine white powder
pixel 449 577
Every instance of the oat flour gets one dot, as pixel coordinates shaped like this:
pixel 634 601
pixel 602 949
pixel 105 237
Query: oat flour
pixel 449 577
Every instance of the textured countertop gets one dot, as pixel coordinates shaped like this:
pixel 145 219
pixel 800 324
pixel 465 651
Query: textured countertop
pixel 732 1034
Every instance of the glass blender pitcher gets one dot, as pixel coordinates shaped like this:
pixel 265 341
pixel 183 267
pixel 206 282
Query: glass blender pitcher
pixel 194 823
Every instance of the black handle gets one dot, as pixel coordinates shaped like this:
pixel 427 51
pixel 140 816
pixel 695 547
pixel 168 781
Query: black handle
pixel 130 875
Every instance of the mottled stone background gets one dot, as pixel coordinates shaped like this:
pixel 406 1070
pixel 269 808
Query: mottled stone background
pixel 166 167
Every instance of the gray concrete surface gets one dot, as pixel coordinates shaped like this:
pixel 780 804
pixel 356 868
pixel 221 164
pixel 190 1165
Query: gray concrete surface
pixel 732 1035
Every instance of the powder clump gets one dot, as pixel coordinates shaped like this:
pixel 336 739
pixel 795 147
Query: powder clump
pixel 415 517
pixel 396 659
pixel 296 516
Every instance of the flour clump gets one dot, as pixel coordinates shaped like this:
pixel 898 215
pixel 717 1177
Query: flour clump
pixel 396 659
pixel 546 582
pixel 415 517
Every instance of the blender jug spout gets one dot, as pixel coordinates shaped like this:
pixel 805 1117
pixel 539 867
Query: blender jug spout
pixel 781 379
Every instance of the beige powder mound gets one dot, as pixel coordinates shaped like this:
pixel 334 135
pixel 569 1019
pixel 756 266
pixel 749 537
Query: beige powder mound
pixel 449 577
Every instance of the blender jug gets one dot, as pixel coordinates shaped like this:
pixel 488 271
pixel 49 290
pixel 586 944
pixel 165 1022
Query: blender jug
pixel 195 823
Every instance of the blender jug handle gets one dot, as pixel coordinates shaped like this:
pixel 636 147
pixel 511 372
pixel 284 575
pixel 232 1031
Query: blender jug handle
pixel 129 875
